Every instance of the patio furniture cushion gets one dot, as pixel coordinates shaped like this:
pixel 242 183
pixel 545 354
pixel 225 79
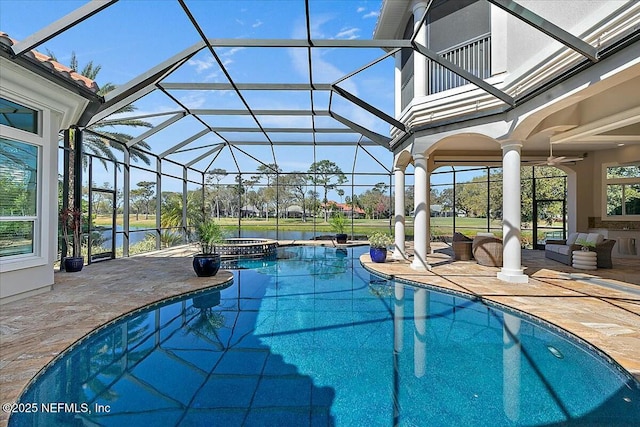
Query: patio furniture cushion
pixel 571 239
pixel 559 249
pixel 594 238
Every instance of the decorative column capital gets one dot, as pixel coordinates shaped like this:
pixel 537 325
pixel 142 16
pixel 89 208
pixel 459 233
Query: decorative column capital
pixel 510 144
pixel 420 157
pixel 416 6
pixel 399 169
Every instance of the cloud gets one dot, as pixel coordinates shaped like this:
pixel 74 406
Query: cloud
pixel 257 24
pixel 202 64
pixel 361 9
pixel 231 51
pixel 372 14
pixel 348 33
pixel 193 100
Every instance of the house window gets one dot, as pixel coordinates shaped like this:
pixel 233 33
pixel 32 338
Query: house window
pixel 18 116
pixel 622 190
pixel 18 197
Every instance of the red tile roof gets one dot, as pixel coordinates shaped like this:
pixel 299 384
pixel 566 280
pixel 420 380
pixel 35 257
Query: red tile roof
pixel 54 66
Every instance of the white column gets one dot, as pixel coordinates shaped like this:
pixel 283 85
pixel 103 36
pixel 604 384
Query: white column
pixel 512 270
pixel 428 208
pixel 398 84
pixel 399 231
pixel 419 60
pixel 511 364
pixel 420 312
pixel 398 318
pixel 421 212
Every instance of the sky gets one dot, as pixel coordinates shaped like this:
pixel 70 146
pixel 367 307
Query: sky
pixel 131 36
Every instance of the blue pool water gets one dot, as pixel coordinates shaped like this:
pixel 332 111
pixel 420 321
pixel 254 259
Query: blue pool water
pixel 315 340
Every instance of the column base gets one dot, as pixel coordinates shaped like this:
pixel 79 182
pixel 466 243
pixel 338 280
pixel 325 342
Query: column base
pixel 398 254
pixel 513 275
pixel 420 266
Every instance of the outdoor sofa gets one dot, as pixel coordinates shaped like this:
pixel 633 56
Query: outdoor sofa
pixel 562 250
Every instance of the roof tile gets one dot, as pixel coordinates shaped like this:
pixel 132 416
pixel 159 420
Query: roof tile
pixel 54 66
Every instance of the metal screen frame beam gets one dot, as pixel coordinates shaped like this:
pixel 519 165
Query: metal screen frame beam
pixel 552 30
pixel 208 153
pixel 373 136
pixel 315 43
pixel 155 129
pixel 143 84
pixel 183 143
pixel 61 25
pixel 370 108
pixel 284 130
pixel 221 112
pixel 245 86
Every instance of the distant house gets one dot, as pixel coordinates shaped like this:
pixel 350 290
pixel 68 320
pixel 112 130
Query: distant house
pixel 294 211
pixel 249 211
pixel 346 209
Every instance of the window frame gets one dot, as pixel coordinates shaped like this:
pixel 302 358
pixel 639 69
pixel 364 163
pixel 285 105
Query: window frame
pixel 616 181
pixel 36 257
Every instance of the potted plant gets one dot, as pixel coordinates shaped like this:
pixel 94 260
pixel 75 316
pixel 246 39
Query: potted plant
pixel 71 224
pixel 379 243
pixel 207 262
pixel 585 245
pixel 339 225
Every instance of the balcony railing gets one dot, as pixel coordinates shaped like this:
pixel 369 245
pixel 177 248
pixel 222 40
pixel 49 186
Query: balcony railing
pixel 473 56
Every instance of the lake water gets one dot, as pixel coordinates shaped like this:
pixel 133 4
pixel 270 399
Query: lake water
pixel 138 234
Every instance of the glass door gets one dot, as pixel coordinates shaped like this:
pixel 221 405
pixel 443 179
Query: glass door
pixel 550 221
pixel 102 210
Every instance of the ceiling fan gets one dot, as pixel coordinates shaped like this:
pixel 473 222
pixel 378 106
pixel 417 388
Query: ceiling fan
pixel 554 161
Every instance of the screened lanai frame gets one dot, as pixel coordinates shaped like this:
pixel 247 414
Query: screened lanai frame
pixel 153 79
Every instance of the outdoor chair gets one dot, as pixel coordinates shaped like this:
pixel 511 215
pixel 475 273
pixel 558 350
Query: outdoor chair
pixel 461 247
pixel 487 250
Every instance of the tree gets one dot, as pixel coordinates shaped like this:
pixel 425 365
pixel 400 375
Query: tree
pixel 216 175
pixel 269 194
pixel 375 201
pixel 327 175
pixel 144 194
pixel 269 171
pixel 103 147
pixel 171 209
pixel 297 184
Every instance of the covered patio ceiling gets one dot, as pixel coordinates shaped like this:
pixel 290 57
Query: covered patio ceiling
pixel 228 79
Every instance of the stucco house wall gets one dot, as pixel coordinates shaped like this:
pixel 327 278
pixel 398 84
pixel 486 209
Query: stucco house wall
pixel 21 276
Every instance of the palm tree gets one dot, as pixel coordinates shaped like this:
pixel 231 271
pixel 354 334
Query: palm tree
pixel 103 147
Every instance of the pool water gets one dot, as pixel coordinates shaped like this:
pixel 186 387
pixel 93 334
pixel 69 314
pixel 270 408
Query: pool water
pixel 314 339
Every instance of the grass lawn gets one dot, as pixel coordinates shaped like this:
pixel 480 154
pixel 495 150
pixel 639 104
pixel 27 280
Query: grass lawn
pixel 439 225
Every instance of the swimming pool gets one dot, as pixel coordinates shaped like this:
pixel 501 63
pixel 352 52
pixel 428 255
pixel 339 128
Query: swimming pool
pixel 314 339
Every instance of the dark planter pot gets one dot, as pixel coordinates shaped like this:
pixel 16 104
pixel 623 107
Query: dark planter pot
pixel 206 265
pixel 207 300
pixel 341 238
pixel 73 264
pixel 378 254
